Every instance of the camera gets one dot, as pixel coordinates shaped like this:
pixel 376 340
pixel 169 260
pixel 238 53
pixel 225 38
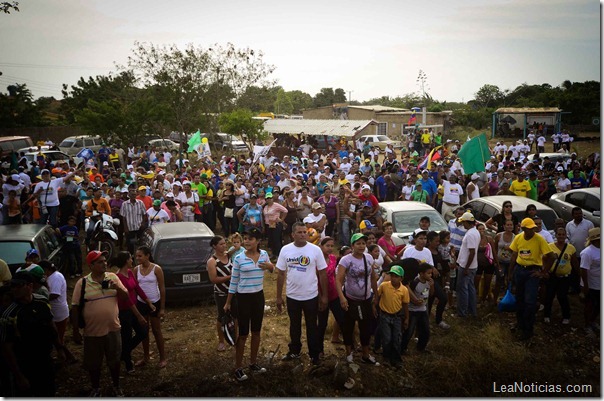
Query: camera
pixel 105 284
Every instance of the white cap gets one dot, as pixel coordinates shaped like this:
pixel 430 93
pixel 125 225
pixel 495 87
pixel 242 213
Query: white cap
pixel 467 216
pixel 365 186
pixel 474 177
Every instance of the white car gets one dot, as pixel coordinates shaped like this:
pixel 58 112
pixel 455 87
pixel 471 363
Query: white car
pixel 55 156
pixel 587 199
pixel 405 216
pixel 164 144
pixel 381 141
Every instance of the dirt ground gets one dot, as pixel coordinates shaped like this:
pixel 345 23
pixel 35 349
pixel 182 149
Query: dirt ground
pixel 473 358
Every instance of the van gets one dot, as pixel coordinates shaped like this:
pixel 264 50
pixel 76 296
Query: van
pixel 73 144
pixel 10 144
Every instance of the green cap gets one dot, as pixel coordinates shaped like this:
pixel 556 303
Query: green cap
pixel 156 202
pixel 268 195
pixel 396 269
pixel 356 237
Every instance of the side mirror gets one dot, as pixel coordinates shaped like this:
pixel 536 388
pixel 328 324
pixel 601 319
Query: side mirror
pixel 596 213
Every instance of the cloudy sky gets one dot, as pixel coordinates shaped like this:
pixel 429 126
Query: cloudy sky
pixel 368 48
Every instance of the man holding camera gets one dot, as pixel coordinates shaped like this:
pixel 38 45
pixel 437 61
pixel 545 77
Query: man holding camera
pixel 101 322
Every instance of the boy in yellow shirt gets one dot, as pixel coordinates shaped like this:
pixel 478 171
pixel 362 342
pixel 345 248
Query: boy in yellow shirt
pixel 393 301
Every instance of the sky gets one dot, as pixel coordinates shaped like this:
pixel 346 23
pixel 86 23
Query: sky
pixel 368 48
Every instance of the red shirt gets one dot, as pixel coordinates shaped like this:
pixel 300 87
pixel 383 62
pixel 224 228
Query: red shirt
pixel 133 288
pixel 371 198
pixel 147 201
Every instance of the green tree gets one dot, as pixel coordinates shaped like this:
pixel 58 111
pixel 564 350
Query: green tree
pixel 489 96
pixel 17 108
pixel 259 99
pixel 240 123
pixel 327 97
pixel 283 104
pixel 300 101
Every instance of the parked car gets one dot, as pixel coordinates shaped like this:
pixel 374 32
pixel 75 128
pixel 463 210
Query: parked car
pixel 54 155
pixel 587 199
pixel 225 142
pixel 73 144
pixel 405 215
pixel 9 144
pixel 17 239
pixel 178 137
pixel 164 144
pixel 381 141
pixel 182 250
pixel 553 157
pixel 33 149
pixel 485 208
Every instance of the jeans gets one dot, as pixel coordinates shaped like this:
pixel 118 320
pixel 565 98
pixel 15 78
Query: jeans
pixel 51 216
pixel 209 216
pixel 344 232
pixel 310 308
pixel 390 331
pixel 323 316
pixel 420 321
pixel 527 290
pixel 557 286
pixel 466 293
pixel 275 238
pixel 440 294
pixel 129 322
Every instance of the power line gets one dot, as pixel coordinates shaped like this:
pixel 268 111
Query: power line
pixel 52 66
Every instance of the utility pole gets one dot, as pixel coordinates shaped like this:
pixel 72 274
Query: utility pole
pixel 350 96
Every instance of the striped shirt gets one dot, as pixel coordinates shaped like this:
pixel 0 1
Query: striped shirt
pixel 247 277
pixel 222 270
pixel 133 214
pixel 457 234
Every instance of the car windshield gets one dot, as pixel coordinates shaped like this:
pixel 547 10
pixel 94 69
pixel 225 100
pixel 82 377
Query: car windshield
pixel 407 221
pixel 56 156
pixel 14 252
pixel 67 143
pixel 548 216
pixel 183 251
pixel 383 138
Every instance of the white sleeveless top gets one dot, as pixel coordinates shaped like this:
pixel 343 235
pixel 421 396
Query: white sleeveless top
pixel 149 284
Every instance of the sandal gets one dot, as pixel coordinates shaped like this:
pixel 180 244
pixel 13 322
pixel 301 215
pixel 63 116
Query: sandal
pixel 163 364
pixel 221 347
pixel 141 363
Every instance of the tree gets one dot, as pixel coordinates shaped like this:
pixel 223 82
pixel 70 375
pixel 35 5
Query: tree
pixel 239 122
pixel 258 99
pixel 300 101
pixel 488 96
pixel 17 108
pixel 283 104
pixel 327 97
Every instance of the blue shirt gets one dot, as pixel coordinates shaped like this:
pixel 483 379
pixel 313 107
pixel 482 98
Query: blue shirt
pixel 246 276
pixel 429 186
pixel 380 183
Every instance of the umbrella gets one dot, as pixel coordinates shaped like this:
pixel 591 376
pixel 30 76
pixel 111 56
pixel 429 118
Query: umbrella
pixel 508 119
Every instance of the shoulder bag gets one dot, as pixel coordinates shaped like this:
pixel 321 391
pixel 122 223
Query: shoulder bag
pixel 558 260
pixel 81 321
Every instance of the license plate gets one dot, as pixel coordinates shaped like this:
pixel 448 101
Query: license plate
pixel 191 278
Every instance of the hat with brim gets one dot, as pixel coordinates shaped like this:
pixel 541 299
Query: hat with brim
pixel 22 277
pixel 356 237
pixel 94 255
pixel 398 270
pixel 527 223
pixel 592 235
pixel 467 216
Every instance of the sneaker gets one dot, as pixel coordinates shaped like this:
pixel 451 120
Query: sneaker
pixel 290 356
pixel 370 360
pixel 96 392
pixel 546 320
pixel 117 392
pixel 443 325
pixel 565 321
pixel 240 375
pixel 350 358
pixel 254 367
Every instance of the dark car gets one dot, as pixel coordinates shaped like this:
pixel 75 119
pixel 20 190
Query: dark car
pixel 16 240
pixel 182 250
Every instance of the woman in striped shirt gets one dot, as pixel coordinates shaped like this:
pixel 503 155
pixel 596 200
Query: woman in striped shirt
pixel 247 279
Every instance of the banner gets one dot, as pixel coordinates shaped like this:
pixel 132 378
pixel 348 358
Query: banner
pixel 260 151
pixel 474 154
pixel 85 154
pixel 194 141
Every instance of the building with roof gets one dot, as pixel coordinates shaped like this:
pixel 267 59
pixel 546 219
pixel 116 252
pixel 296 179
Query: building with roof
pixel 519 119
pixel 390 121
pixel 337 128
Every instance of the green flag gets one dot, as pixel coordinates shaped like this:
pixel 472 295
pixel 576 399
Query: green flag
pixel 474 154
pixel 194 141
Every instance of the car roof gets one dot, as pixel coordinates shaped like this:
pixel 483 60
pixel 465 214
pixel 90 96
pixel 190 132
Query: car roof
pixel 592 191
pixel 403 206
pixel 518 202
pixel 82 137
pixel 19 232
pixel 181 230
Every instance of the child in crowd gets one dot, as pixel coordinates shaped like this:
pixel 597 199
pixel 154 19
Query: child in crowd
pixel 14 208
pixel 422 286
pixel 71 235
pixel 313 235
pixel 393 301
pixel 236 248
pixel 446 253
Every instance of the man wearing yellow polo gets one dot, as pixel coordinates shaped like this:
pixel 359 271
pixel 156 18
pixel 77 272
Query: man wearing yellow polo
pixel 520 186
pixel 532 259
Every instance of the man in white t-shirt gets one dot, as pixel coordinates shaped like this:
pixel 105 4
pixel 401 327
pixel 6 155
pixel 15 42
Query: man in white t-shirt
pixel 300 262
pixel 47 192
pixel 467 263
pixel 541 144
pixel 591 274
pixel 157 215
pixel 418 250
pixel 452 192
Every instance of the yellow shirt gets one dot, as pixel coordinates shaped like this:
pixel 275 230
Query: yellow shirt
pixel 530 252
pixel 392 299
pixel 426 138
pixel 520 188
pixel 564 266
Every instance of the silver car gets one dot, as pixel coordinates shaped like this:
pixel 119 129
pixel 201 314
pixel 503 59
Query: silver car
pixel 405 215
pixel 587 199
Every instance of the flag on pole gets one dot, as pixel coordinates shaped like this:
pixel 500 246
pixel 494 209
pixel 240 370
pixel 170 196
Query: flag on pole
pixel 260 151
pixel 412 119
pixel 474 154
pixel 432 156
pixel 194 142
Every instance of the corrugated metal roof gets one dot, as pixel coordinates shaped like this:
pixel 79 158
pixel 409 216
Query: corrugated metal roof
pixel 522 110
pixel 377 108
pixel 316 127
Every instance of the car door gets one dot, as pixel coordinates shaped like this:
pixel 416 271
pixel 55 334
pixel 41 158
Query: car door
pixel 53 245
pixel 574 199
pixel 475 207
pixel 592 205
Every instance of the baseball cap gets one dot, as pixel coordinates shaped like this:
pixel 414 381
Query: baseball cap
pixel 169 195
pixel 356 237
pixel 419 231
pixel 398 270
pixel 37 273
pixel 45 171
pixel 156 202
pixel 366 225
pixel 528 223
pixel 367 160
pixel 15 177
pixel 316 205
pixel 105 163
pixel 268 195
pixel 365 186
pixel 424 171
pixel 31 252
pixel 474 177
pixel 467 216
pixel 94 255
pixel 142 188
pixel 22 277
pixel 124 190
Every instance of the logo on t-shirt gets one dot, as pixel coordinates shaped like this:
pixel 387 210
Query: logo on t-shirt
pixel 299 263
pixel 525 254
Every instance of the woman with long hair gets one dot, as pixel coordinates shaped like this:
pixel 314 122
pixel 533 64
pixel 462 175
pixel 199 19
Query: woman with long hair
pixel 503 240
pixel 231 223
pixel 497 222
pixel 292 214
pixel 332 211
pixel 150 277
pixel 247 280
pixel 304 204
pixel 129 315
pixel 388 245
pixel 219 268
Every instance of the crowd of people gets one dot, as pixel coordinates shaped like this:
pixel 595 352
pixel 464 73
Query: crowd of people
pixel 325 237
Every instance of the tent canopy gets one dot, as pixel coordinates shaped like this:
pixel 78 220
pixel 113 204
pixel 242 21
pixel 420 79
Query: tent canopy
pixel 347 128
